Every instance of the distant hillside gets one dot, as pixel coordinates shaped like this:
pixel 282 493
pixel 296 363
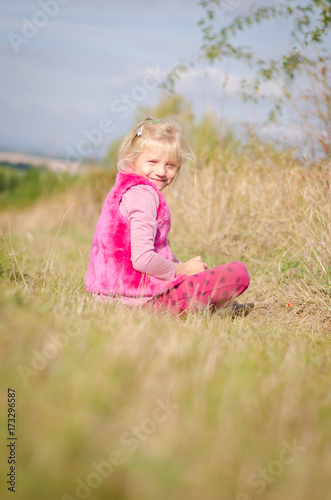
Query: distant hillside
pixel 24 161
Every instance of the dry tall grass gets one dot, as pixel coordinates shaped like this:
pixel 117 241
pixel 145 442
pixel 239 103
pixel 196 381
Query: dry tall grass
pixel 249 409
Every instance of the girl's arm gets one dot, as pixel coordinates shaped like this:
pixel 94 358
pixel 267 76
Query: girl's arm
pixel 140 204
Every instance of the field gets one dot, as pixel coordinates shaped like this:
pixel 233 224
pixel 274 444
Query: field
pixel 121 404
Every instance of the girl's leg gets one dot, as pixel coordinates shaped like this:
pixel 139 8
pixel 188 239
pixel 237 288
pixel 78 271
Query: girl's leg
pixel 213 288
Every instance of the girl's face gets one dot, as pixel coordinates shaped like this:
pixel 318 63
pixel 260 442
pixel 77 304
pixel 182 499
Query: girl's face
pixel 154 165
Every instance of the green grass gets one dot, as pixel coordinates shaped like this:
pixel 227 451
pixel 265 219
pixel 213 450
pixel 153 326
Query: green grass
pixel 90 378
pixel 19 188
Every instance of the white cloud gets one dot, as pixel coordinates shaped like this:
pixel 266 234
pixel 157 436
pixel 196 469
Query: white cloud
pixel 216 82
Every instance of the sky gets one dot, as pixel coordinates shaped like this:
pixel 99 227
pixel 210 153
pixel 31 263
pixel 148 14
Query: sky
pixel 74 72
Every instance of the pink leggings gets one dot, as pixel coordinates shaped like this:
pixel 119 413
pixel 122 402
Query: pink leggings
pixel 213 288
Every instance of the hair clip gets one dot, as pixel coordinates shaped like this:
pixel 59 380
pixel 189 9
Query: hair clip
pixel 154 121
pixel 140 130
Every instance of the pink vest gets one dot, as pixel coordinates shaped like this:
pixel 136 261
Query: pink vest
pixel 110 269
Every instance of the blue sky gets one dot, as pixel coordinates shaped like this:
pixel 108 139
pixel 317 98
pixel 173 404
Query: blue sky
pixel 76 66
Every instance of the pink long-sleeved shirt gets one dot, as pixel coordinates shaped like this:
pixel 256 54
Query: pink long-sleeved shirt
pixel 140 204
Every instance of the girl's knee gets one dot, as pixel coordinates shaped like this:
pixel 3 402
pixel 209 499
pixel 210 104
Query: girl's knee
pixel 237 273
pixel 241 268
pixel 242 273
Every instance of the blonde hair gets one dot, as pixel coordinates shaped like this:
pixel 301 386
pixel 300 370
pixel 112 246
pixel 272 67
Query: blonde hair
pixel 166 131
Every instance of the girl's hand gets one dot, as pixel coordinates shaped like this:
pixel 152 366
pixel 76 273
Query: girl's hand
pixel 192 266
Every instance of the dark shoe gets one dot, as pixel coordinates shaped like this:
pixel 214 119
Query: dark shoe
pixel 241 309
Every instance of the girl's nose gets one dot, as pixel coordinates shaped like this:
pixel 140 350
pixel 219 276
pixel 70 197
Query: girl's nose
pixel 161 169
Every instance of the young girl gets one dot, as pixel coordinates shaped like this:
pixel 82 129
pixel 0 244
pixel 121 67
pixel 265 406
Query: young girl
pixel 131 260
